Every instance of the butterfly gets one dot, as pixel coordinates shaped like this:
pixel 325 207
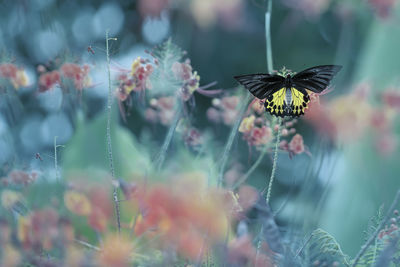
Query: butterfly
pixel 288 96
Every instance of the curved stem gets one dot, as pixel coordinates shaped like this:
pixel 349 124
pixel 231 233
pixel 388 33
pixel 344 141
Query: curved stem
pixel 168 138
pixel 271 179
pixel 252 168
pixel 109 145
pixel 231 138
pixel 371 239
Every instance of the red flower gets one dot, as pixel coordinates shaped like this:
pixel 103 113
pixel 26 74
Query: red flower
pixel 8 71
pixel 78 74
pixel 296 145
pixel 48 80
pixel 260 136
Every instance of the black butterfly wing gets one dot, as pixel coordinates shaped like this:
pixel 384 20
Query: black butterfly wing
pixel 261 85
pixel 315 79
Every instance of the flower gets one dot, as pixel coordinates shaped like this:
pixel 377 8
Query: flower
pixel 296 145
pixel 79 75
pixel 137 80
pixel 184 214
pixel 116 251
pixel 247 124
pixel 77 203
pixel 208 12
pixel 190 79
pixel 241 252
pixel 382 7
pixel 17 76
pixel 260 136
pixel 39 229
pixel 386 144
pixel 152 7
pixel 48 80
pixel 391 98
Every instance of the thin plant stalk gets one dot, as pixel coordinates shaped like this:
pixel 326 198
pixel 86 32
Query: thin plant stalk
pixel 109 145
pixel 56 159
pixel 168 138
pixel 275 160
pixel 232 135
pixel 252 168
pixel 378 229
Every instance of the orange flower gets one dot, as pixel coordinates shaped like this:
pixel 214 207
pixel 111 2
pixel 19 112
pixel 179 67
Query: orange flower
pixel 183 215
pixel 116 251
pixel 77 203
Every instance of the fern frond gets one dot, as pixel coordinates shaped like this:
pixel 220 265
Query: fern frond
pixel 324 248
pixel 163 80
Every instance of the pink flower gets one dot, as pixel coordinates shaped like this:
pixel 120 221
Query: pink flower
pixel 76 73
pixel 382 7
pixel 296 145
pixel 16 76
pixel 230 102
pixel 386 144
pixel 8 71
pixel 391 98
pixel 152 7
pixel 213 115
pixel 48 80
pixel 260 136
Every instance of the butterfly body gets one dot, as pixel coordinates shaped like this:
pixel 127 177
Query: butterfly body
pixel 288 96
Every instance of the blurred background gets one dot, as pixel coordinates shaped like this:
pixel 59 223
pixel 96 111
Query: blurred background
pixel 352 137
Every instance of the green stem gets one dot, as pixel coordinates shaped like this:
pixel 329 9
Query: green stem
pixel 109 145
pixel 168 138
pixel 275 160
pixel 371 239
pixel 232 135
pixel 252 168
pixel 56 159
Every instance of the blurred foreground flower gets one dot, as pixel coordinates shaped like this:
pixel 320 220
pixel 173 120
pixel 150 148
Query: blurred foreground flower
pixel 382 8
pixel 96 206
pixel 15 75
pixel 224 110
pixel 185 215
pixel 68 72
pixel 77 74
pixel 116 251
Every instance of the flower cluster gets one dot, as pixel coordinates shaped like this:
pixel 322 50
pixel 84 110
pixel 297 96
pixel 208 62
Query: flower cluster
pixel 224 110
pixel 93 203
pixel 184 216
pixel 190 80
pixel 161 110
pixel 349 117
pixel 257 131
pixel 136 81
pixel 15 75
pixel 19 177
pixel 68 72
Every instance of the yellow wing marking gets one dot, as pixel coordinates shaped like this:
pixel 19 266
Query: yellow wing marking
pixel 299 101
pixel 276 101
